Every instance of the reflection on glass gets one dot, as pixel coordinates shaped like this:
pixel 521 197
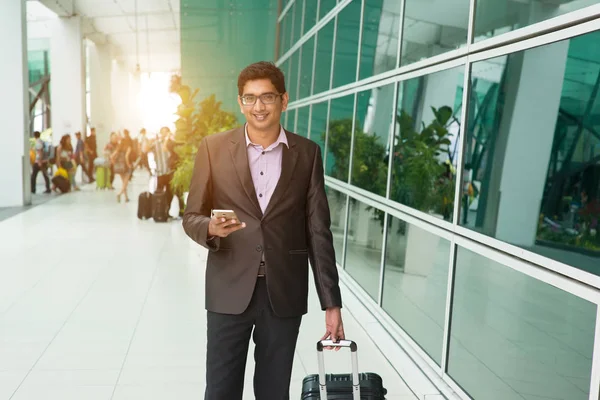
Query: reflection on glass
pixel 325 7
pixel 339 137
pixel 374 119
pixel 426 143
pixel 495 17
pixel 364 247
pixel 310 15
pixel 302 122
pixel 433 27
pixel 306 69
pixel 337 208
pixel 318 124
pixel 415 283
pixel 532 163
pixel 346 44
pixel 323 61
pixel 292 80
pixel 514 337
pixel 379 46
pixel 284 34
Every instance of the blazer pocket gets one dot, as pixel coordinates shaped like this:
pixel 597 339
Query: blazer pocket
pixel 292 252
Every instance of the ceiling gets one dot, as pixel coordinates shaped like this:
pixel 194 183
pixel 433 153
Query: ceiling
pixel 118 23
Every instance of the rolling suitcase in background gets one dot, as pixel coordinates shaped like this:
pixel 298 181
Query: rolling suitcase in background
pixel 145 205
pixel 102 177
pixel 160 208
pixel 354 386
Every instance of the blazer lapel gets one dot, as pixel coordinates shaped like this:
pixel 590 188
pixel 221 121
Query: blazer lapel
pixel 239 155
pixel 288 163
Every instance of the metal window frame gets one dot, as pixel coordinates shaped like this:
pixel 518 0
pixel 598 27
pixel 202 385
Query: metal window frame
pixel 563 276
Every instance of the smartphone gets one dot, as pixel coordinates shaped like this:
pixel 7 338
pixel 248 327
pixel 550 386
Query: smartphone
pixel 227 214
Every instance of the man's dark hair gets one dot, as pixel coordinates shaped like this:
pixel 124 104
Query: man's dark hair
pixel 37 134
pixel 262 70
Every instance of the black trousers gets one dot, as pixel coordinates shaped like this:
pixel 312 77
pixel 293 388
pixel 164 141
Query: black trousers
pixel 163 184
pixel 228 341
pixel 34 174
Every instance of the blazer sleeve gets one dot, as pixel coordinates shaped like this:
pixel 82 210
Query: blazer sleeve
pixel 320 239
pixel 199 203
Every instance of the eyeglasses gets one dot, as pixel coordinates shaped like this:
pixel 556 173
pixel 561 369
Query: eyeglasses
pixel 265 98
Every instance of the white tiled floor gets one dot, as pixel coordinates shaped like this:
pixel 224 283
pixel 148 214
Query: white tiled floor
pixel 95 304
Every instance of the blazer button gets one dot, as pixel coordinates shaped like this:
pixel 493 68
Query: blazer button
pixel 259 248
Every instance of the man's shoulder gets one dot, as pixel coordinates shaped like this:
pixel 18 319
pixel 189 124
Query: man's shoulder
pixel 301 141
pixel 222 136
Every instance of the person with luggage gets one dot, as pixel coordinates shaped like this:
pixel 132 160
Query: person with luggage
pixel 109 150
pixel 40 163
pixel 120 161
pixel 91 152
pixel 269 183
pixel 167 160
pixel 65 159
pixel 80 157
pixel 144 148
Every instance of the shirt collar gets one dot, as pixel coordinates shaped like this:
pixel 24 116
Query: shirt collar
pixel 281 139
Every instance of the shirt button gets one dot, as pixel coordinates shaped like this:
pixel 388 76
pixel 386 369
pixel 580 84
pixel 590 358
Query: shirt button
pixel 262 173
pixel 260 195
pixel 263 153
pixel 259 248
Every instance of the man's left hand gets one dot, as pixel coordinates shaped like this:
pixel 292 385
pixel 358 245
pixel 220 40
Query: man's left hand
pixel 334 326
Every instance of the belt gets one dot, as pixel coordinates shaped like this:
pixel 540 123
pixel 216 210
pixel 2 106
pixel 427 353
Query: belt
pixel 261 269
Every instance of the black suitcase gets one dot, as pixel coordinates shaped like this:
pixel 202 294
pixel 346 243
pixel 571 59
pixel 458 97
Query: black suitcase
pixel 160 208
pixel 145 206
pixel 354 386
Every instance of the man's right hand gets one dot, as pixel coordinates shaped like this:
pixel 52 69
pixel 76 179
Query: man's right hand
pixel 222 227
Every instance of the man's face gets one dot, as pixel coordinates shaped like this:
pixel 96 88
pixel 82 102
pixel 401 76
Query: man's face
pixel 262 116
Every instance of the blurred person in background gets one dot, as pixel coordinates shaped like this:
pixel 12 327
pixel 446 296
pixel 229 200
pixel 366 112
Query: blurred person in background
pixel 65 159
pixel 40 164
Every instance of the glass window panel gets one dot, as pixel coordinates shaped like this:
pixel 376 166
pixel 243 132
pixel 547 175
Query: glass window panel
pixel 290 121
pixel 302 122
pixel 337 208
pixel 346 44
pixel 374 117
pixel 514 337
pixel 363 253
pixel 306 68
pixel 495 17
pixel 310 14
pixel 339 137
pixel 416 283
pixel 426 142
pixel 283 36
pixel 325 7
pixel 318 124
pixel 532 162
pixel 298 5
pixel 292 81
pixel 433 27
pixel 324 56
pixel 379 46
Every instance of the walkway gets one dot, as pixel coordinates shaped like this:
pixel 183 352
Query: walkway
pixel 95 304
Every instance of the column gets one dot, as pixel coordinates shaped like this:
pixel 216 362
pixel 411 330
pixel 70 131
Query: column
pixel 67 59
pixel 14 106
pixel 101 107
pixel 530 133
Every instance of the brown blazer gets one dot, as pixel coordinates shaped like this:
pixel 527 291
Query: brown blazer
pixel 294 227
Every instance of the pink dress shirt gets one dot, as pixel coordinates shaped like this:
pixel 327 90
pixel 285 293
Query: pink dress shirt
pixel 265 166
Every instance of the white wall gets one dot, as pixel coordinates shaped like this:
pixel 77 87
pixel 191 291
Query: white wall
pixel 14 106
pixel 101 108
pixel 125 89
pixel 68 77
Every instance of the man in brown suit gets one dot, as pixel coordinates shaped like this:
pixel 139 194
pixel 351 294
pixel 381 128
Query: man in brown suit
pixel 257 268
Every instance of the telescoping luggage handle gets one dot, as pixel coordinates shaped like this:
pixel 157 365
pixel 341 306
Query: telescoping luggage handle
pixel 322 379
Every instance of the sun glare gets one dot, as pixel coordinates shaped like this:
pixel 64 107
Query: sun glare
pixel 157 105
